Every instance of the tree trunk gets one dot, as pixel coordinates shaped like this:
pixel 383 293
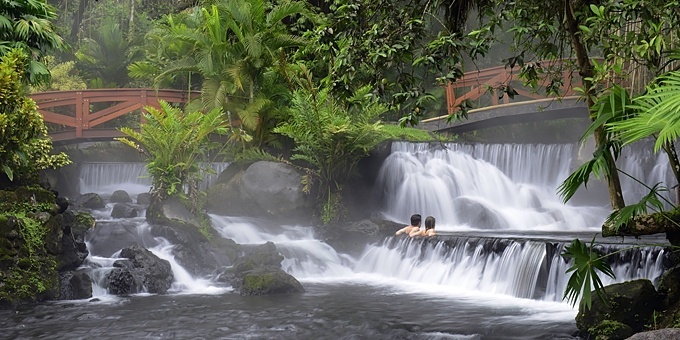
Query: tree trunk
pixel 77 20
pixel 660 222
pixel 586 73
pixel 675 166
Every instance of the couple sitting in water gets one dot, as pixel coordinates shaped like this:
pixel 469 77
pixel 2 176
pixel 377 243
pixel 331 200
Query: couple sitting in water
pixel 413 230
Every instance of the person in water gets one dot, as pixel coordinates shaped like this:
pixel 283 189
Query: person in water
pixel 415 226
pixel 429 228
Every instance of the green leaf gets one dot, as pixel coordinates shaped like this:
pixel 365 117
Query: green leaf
pixel 585 269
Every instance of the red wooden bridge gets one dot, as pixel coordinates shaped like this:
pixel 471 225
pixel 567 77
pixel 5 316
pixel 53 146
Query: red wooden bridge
pixel 96 114
pixel 74 116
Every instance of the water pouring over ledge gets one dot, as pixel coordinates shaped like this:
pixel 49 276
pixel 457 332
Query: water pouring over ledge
pixel 459 286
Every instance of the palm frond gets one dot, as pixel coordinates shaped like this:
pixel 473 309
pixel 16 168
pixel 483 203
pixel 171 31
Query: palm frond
pixel 585 269
pixel 626 214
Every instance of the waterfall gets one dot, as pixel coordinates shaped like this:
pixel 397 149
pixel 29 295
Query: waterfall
pixel 519 268
pixel 304 255
pixel 105 178
pixel 99 266
pixel 502 187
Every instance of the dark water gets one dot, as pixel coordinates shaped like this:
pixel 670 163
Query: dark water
pixel 325 311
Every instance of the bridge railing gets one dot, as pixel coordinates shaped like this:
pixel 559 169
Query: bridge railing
pixel 82 113
pixel 487 86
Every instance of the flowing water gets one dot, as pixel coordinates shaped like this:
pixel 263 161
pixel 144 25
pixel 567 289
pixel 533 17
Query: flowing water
pixel 495 271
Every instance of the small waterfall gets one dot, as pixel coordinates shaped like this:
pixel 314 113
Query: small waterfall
pixel 643 164
pixel 184 283
pixel 482 187
pixel 105 178
pixel 304 255
pixel 518 268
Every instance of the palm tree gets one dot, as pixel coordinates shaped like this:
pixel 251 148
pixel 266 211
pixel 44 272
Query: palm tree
pixel 107 55
pixel 234 49
pixel 25 24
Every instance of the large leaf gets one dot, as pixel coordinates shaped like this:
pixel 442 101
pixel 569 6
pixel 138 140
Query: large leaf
pixel 585 269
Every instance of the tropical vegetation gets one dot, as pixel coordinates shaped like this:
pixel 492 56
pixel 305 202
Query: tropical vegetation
pixel 326 75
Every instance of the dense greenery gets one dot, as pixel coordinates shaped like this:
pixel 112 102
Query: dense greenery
pixel 24 145
pixel 26 25
pixel 366 60
pixel 332 136
pixel 175 143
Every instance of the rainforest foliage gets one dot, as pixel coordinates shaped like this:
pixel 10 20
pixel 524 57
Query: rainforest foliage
pixel 325 75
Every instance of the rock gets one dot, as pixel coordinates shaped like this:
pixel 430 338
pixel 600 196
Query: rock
pixel 74 249
pixel 264 189
pixel 198 255
pixel 352 237
pixel 659 334
pixel 669 286
pixel 144 198
pixel 111 236
pixel 157 273
pixel 75 285
pixel 122 210
pixel 120 196
pixel 477 215
pixel 89 201
pixel 266 281
pixel 143 272
pixel 611 330
pixel 170 211
pixel 631 303
pixel 119 281
pixel 258 272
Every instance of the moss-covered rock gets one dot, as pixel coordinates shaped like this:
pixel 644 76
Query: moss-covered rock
pixel 631 303
pixel 611 330
pixel 36 241
pixel 266 281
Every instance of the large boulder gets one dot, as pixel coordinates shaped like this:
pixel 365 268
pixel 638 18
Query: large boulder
pixel 123 210
pixel 90 201
pixel 264 189
pixel 477 215
pixel 659 334
pixel 258 272
pixel 141 272
pixel 120 196
pixel 352 237
pixel 75 285
pixel 197 247
pixel 199 255
pixel 108 237
pixel 631 303
pixel 65 238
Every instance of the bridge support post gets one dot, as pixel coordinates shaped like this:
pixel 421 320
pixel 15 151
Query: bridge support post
pixel 79 114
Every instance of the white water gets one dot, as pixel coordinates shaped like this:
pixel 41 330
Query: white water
pixel 105 178
pixel 183 282
pixel 507 187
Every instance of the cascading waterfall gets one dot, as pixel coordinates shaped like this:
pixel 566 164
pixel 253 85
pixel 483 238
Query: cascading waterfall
pixel 518 268
pixel 105 178
pixel 501 187
pixel 100 266
pixel 304 255
pixel 509 187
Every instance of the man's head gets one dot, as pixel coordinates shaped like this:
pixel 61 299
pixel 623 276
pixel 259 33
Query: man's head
pixel 429 222
pixel 415 220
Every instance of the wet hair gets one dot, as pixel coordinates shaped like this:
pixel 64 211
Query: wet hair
pixel 429 223
pixel 415 220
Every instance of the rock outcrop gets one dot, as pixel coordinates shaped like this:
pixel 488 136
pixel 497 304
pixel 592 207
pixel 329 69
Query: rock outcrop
pixel 141 272
pixel 263 189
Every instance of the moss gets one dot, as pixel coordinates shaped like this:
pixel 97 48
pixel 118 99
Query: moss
pixel 609 329
pixel 255 283
pixel 394 132
pixel 28 271
pixel 84 221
